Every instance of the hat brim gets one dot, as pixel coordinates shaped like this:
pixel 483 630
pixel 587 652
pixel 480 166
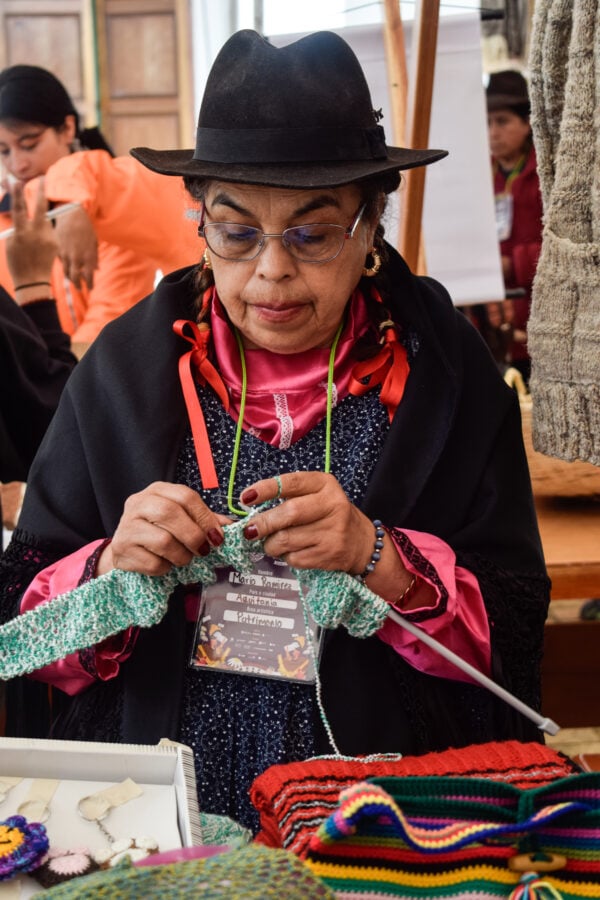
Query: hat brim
pixel 505 101
pixel 287 175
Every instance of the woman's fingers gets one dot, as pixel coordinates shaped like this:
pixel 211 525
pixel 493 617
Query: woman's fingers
pixel 31 250
pixel 286 485
pixel 314 525
pixel 164 525
pixel 41 205
pixel 18 208
pixel 78 246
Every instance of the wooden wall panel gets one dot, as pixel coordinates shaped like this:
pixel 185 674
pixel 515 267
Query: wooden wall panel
pixel 146 131
pixel 54 34
pixel 145 64
pixel 151 42
pixel 126 63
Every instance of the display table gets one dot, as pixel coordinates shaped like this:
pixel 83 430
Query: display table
pixel 570 531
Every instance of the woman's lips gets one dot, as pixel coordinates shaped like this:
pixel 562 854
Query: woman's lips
pixel 284 313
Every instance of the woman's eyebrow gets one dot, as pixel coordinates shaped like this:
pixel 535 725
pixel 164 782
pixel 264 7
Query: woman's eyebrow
pixel 323 200
pixel 223 199
pixel 319 202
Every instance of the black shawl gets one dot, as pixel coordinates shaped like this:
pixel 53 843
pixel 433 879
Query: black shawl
pixel 453 465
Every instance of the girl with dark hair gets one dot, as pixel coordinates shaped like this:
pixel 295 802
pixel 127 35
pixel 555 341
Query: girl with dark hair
pixel 38 126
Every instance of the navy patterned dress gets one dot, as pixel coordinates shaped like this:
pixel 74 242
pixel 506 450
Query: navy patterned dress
pixel 238 725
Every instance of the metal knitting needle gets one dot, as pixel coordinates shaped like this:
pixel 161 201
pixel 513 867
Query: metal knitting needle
pixel 51 214
pixel 544 724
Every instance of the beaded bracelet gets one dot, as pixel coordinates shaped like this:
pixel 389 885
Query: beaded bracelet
pixel 376 554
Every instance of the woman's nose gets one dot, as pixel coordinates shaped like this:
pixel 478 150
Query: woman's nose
pixel 17 163
pixel 274 261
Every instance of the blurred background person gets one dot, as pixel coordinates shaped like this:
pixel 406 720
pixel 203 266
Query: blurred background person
pixel 518 204
pixel 35 363
pixel 38 126
pixel 35 355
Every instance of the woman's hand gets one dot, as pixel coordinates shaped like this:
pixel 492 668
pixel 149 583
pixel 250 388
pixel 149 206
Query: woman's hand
pixel 31 250
pixel 162 526
pixel 316 527
pixel 78 247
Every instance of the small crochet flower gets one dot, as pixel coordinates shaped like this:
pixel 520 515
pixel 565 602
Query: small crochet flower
pixel 61 865
pixel 134 848
pixel 22 846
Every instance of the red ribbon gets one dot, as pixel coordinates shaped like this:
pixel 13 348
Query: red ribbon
pixel 197 360
pixel 389 368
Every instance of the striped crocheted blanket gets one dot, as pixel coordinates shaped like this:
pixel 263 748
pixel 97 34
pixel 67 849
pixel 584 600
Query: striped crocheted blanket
pixel 294 799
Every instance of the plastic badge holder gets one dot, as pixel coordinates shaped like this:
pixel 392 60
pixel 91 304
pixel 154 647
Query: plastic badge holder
pixel 255 624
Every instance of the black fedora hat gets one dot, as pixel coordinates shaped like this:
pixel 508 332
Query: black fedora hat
pixel 295 116
pixel 507 90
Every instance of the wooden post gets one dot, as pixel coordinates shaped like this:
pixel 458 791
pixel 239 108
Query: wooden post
pixel 395 58
pixel 421 92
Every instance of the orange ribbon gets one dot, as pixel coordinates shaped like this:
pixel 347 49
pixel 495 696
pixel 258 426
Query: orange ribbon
pixel 389 368
pixel 197 360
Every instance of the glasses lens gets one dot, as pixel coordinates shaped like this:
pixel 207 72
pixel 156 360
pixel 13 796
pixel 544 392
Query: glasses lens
pixel 232 241
pixel 314 243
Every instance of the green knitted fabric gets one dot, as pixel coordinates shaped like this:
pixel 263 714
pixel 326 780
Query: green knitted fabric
pixel 222 830
pixel 251 873
pixel 118 600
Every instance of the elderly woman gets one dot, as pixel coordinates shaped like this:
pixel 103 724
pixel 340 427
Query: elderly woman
pixel 322 372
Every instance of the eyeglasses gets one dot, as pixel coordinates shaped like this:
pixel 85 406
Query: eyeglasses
pixel 315 243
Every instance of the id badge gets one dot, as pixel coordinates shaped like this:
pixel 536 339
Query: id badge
pixel 504 215
pixel 253 623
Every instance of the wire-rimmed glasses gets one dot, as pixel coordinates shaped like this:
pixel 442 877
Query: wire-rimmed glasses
pixel 314 243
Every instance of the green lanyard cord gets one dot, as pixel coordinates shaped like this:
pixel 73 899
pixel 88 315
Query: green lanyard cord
pixel 240 421
pixel 238 430
pixel 330 369
pixel 514 173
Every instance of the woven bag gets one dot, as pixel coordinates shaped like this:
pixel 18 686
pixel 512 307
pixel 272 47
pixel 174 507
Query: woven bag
pixel 443 838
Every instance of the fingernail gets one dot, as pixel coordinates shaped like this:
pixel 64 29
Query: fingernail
pixel 204 549
pixel 249 496
pixel 215 537
pixel 251 532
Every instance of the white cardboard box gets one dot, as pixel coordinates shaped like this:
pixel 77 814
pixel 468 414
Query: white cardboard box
pixel 167 810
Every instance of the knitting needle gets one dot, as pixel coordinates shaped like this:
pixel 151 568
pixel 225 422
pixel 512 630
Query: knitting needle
pixel 544 724
pixel 51 214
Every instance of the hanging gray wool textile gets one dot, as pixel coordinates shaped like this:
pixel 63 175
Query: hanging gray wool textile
pixel 564 325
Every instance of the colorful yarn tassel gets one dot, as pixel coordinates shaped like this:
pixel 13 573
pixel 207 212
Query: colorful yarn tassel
pixel 531 887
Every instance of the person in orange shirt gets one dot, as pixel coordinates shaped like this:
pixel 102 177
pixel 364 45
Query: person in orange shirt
pixel 122 201
pixel 103 270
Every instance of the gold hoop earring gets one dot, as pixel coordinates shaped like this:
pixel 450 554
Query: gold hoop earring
pixel 206 263
pixel 370 272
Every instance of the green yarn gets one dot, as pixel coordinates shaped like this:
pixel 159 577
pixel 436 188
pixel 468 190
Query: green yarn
pixel 118 600
pixel 223 830
pixel 250 873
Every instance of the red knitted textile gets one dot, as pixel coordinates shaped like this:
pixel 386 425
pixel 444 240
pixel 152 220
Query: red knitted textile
pixel 294 799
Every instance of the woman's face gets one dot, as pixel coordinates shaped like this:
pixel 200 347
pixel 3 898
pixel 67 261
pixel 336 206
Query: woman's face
pixel 276 301
pixel 28 149
pixel 508 136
